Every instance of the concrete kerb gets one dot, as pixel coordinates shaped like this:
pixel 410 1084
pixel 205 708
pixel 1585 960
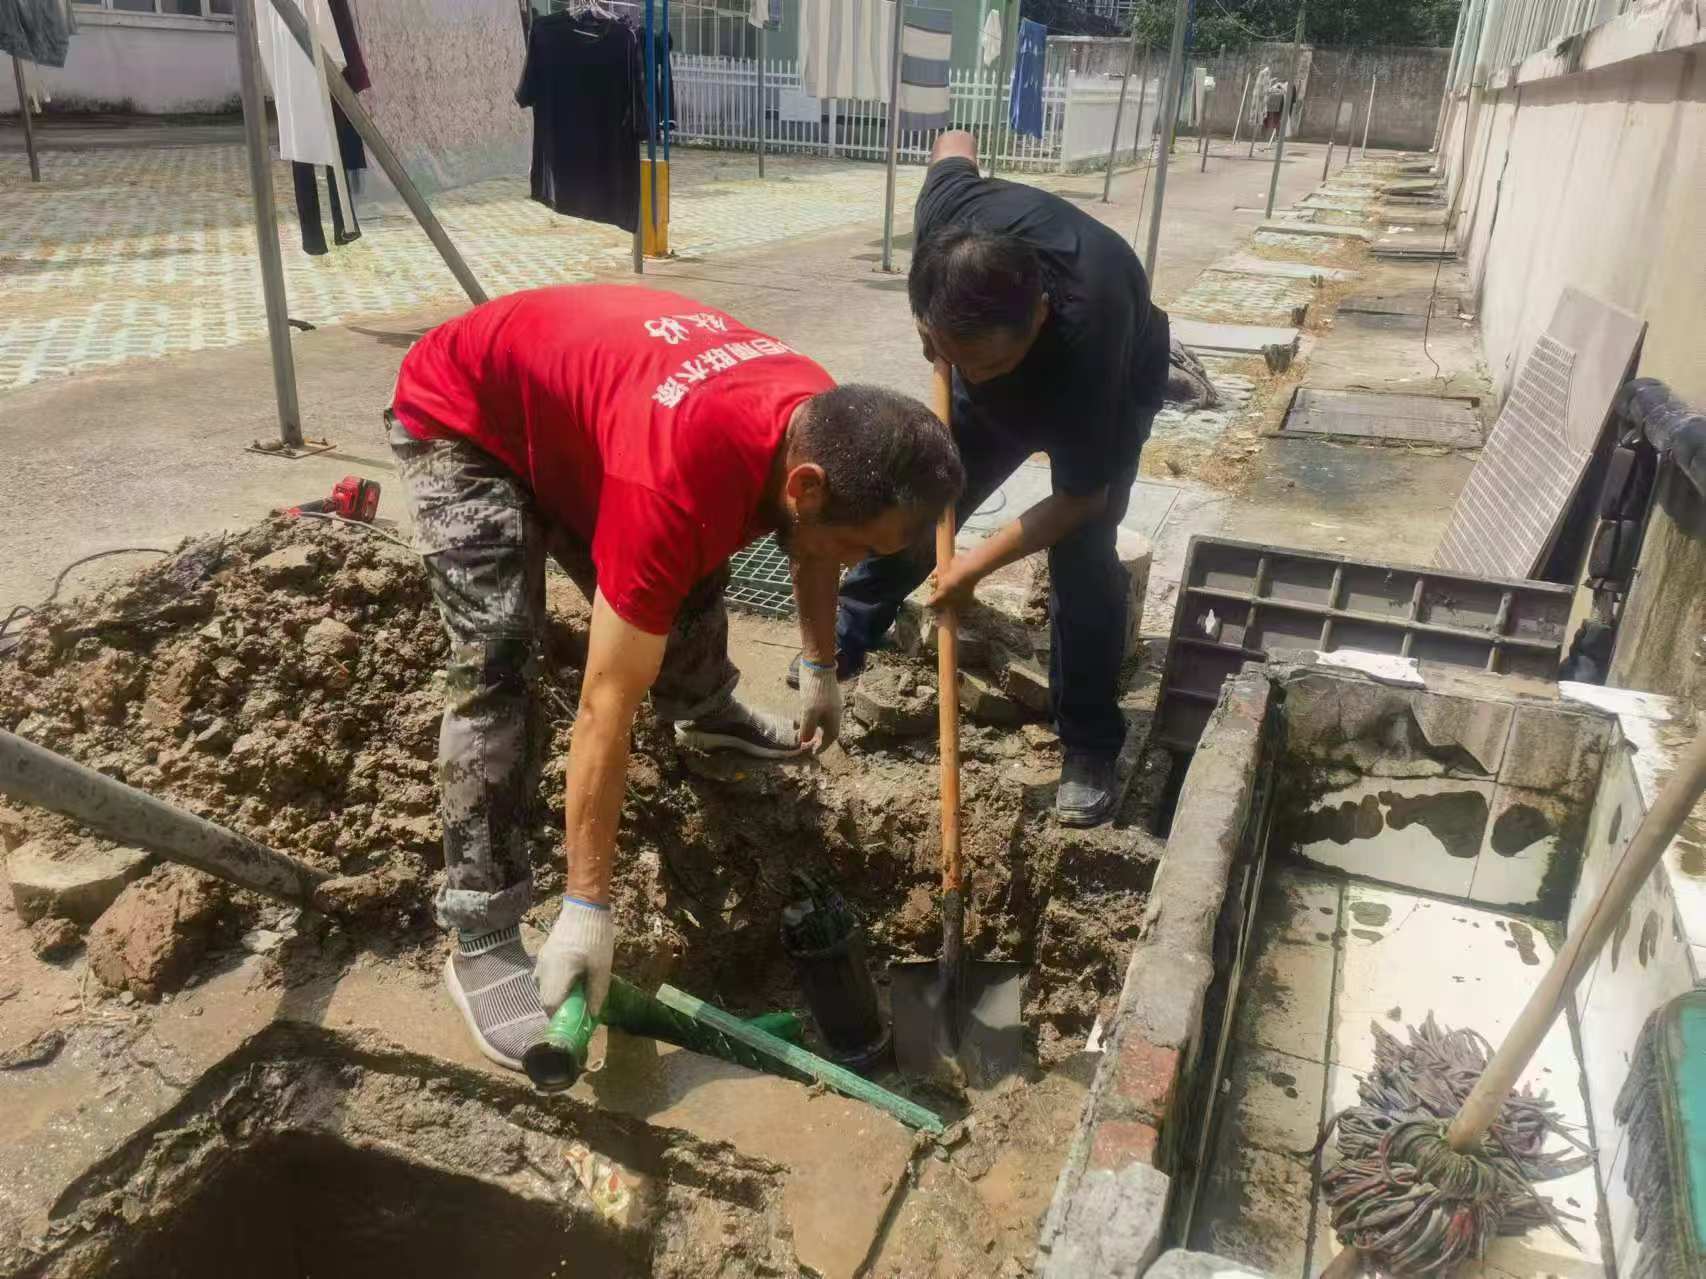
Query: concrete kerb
pixel 1110 1209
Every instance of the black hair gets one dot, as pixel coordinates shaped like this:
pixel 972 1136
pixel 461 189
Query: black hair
pixel 966 283
pixel 879 449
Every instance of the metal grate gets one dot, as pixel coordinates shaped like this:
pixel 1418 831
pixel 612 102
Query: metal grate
pixel 759 580
pixel 1509 511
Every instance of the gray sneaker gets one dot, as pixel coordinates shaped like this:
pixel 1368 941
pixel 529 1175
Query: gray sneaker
pixel 490 980
pixel 1089 789
pixel 740 728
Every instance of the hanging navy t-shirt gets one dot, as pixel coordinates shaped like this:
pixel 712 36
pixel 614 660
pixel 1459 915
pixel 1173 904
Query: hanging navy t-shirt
pixel 586 84
pixel 1089 387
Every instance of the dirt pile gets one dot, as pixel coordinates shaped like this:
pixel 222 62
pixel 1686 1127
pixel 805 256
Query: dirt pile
pixel 286 682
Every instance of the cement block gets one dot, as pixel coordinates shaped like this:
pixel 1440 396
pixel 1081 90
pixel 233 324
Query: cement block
pixel 1555 750
pixel 76 884
pixel 1027 684
pixel 986 703
pixel 1109 1223
pixel 891 701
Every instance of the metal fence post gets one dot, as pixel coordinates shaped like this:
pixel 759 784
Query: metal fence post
pixel 761 116
pixel 893 138
pixel 1243 100
pixel 1208 101
pixel 1169 118
pixel 1368 115
pixel 266 228
pixel 29 125
pixel 1119 114
pixel 1333 130
pixel 1279 153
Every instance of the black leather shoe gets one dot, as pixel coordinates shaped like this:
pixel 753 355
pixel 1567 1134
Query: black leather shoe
pixel 1089 789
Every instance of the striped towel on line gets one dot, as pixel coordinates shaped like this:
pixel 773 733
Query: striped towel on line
pixel 846 48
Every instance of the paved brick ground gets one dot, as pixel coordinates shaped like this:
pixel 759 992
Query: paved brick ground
pixel 150 251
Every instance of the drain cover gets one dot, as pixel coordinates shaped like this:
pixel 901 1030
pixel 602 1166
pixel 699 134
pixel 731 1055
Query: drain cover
pixel 1373 418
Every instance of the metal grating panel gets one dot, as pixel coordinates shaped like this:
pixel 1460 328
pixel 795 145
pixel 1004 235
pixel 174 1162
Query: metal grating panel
pixel 1508 513
pixel 759 580
pixel 1241 601
pixel 1371 417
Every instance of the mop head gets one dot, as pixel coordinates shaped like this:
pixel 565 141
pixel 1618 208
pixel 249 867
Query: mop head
pixel 1402 1195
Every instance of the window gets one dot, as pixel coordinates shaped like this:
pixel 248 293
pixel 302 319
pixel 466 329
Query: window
pixel 165 8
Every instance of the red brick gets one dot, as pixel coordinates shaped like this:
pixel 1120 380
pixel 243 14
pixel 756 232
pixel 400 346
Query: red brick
pixel 1118 1144
pixel 1146 1077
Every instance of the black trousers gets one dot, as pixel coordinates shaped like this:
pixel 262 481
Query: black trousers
pixel 1087 596
pixel 308 198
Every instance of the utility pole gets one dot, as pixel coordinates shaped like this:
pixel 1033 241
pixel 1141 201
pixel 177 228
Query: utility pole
pixel 1169 119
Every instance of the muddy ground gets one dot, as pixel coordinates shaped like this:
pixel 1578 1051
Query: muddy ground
pixel 285 681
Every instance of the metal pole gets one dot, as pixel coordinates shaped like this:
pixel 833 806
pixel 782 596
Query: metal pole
pixel 346 98
pixel 1169 118
pixel 1367 117
pixel 266 228
pixel 1243 101
pixel 29 125
pixel 1142 97
pixel 1208 102
pixel 761 102
pixel 893 139
pixel 1333 130
pixel 1279 154
pixel 650 56
pixel 1119 111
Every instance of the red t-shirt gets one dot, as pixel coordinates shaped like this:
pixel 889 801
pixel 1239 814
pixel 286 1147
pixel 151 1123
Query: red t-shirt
pixel 643 420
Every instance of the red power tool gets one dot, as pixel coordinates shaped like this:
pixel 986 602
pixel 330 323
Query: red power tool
pixel 353 498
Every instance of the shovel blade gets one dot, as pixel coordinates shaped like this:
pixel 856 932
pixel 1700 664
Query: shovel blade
pixel 986 1045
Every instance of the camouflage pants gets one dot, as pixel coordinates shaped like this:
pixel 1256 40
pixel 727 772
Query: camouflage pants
pixel 484 543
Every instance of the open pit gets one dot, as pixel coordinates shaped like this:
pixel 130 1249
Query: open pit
pixel 285 681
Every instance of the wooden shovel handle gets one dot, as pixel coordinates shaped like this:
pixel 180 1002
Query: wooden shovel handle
pixel 948 665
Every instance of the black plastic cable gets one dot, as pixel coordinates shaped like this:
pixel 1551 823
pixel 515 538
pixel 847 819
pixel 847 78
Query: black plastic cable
pixel 22 611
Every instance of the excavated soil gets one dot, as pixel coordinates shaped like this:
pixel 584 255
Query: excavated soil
pixel 286 681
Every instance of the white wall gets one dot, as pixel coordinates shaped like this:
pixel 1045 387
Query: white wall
pixel 1091 102
pixel 141 63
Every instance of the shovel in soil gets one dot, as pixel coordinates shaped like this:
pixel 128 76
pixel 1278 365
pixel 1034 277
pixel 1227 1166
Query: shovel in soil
pixel 955 1020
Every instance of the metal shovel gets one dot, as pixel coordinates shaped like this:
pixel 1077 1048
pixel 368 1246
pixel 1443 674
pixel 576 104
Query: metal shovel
pixel 955 1020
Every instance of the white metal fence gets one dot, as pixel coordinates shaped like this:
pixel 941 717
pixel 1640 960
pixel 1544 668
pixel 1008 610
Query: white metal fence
pixel 717 105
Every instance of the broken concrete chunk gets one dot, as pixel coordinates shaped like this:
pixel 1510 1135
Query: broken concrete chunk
pixel 53 938
pixel 216 737
pixel 291 566
pixel 987 704
pixel 75 883
pixel 151 939
pixel 1027 683
pixel 881 706
pixel 330 638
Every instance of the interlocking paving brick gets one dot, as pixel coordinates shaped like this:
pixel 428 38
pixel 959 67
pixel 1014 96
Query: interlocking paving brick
pixel 150 251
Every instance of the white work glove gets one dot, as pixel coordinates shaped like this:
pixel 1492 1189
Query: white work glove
pixel 580 945
pixel 820 703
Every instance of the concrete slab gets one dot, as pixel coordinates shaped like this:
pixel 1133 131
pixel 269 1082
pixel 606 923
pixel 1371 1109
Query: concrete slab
pixel 1326 229
pixel 1206 338
pixel 1372 417
pixel 1250 264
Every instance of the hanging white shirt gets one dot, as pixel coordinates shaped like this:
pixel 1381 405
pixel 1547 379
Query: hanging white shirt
pixel 989 43
pixel 305 130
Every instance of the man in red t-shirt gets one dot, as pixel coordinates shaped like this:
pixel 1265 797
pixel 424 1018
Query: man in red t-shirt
pixel 640 438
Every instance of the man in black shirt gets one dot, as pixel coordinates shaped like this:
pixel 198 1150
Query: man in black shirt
pixel 1045 315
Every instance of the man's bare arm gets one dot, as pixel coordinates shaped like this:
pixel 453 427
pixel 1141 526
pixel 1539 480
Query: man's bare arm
pixel 1042 526
pixel 621 663
pixel 817 587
